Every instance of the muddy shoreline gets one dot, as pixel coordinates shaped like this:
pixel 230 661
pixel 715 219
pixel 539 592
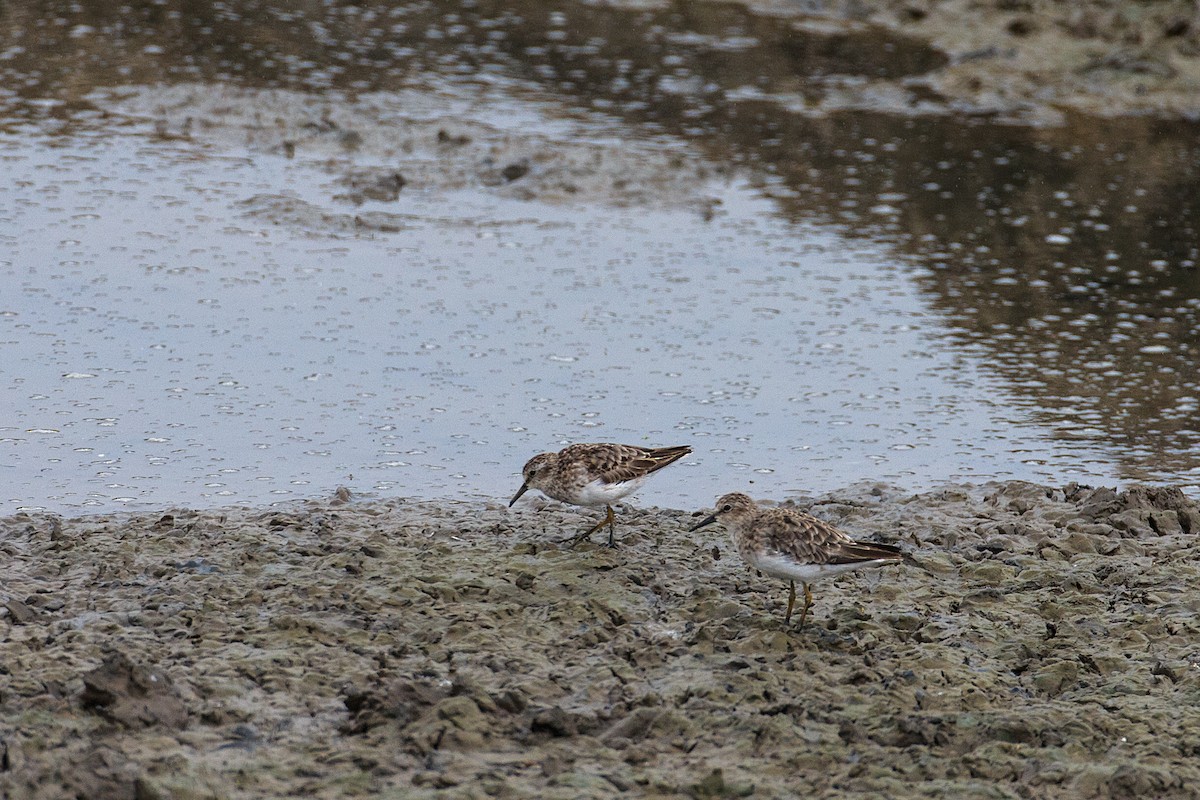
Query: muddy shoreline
pixel 1021 61
pixel 1033 60
pixel 418 649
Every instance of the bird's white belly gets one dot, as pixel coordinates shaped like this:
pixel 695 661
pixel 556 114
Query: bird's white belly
pixel 599 493
pixel 780 566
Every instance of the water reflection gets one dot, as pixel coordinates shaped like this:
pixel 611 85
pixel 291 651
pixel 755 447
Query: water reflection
pixel 1065 259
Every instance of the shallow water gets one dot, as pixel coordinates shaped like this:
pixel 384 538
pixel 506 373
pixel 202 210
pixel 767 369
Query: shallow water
pixel 878 296
pixel 166 347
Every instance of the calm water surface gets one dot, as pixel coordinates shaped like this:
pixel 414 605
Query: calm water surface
pixel 884 295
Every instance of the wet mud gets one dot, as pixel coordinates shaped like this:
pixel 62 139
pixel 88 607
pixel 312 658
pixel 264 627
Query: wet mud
pixel 1045 647
pixel 1018 60
pixel 1031 60
pixel 377 148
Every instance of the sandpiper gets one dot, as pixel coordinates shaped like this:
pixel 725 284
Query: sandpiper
pixel 789 544
pixel 595 475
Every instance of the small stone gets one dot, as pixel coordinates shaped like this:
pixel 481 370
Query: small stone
pixel 1056 677
pixel 1077 543
pixel 20 613
pixel 135 696
pixel 515 171
pixel 553 721
pixel 1165 523
pixel 1133 522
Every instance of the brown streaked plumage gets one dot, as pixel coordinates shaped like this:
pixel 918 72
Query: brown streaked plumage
pixel 595 474
pixel 789 544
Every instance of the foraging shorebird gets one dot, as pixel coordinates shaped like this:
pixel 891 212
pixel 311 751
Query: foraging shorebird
pixel 789 544
pixel 595 475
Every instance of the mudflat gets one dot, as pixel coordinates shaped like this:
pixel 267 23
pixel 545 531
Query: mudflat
pixel 1045 646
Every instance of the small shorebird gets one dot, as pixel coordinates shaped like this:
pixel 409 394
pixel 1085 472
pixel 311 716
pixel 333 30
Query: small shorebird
pixel 789 544
pixel 595 475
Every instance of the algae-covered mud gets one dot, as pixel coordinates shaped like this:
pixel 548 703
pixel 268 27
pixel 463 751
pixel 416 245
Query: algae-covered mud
pixel 1046 647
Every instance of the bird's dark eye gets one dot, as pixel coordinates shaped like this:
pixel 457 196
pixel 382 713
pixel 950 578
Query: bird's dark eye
pixel 727 507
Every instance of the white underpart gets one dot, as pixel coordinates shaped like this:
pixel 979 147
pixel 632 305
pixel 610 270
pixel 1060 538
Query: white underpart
pixel 599 493
pixel 778 565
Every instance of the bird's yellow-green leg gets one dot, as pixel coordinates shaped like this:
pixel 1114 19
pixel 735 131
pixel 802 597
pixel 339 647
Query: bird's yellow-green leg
pixel 791 603
pixel 608 520
pixel 612 527
pixel 807 603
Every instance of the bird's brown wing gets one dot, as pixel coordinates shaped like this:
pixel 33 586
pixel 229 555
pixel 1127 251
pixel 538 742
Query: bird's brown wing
pixel 809 540
pixel 853 552
pixel 617 463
